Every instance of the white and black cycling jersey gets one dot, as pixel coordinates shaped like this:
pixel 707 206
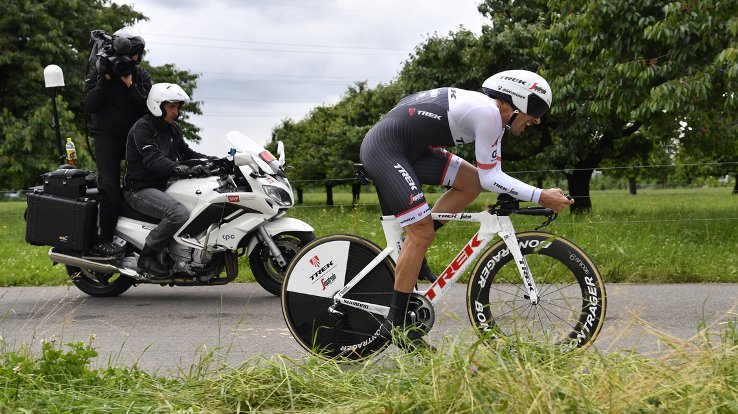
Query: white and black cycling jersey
pixel 471 117
pixel 404 149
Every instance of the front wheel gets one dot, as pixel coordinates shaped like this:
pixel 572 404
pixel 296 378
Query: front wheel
pixel 267 272
pixel 99 284
pixel 571 304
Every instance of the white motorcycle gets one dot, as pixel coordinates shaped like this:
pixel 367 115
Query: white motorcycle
pixel 239 209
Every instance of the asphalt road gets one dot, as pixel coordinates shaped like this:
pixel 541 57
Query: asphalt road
pixel 162 329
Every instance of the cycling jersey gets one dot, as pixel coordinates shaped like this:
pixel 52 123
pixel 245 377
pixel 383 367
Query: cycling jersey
pixel 402 149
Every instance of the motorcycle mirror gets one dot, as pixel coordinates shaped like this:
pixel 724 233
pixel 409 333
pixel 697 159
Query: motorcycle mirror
pixel 280 152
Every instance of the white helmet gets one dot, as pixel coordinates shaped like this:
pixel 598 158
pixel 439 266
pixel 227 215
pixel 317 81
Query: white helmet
pixel 165 92
pixel 526 91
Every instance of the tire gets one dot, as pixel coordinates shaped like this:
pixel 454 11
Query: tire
pixel 267 272
pixel 316 274
pixel 572 302
pixel 99 284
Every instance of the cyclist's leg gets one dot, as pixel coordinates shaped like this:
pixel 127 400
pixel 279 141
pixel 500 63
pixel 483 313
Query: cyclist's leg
pixel 387 160
pixel 465 186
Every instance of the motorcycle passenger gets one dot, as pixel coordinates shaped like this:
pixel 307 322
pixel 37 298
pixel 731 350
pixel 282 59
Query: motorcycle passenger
pixel 404 150
pixel 154 152
pixel 116 101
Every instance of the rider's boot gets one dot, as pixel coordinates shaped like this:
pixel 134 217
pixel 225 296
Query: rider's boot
pixel 149 263
pixel 107 250
pixel 395 328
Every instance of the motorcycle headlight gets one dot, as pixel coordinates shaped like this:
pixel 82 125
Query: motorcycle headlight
pixel 279 195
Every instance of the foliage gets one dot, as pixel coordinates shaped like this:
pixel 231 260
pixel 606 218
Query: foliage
pixel 626 76
pixel 698 375
pixel 34 34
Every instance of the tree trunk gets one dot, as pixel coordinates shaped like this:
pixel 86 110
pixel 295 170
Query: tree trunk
pixel 299 195
pixel 632 186
pixel 356 193
pixel 578 182
pixel 539 181
pixel 735 189
pixel 329 194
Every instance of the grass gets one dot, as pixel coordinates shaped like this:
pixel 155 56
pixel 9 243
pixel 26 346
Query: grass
pixel 698 376
pixel 657 236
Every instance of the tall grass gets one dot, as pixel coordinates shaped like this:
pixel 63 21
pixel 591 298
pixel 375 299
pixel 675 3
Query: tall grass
pixel 696 376
pixel 671 235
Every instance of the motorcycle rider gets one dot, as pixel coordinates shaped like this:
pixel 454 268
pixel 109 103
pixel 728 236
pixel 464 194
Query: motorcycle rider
pixel 404 150
pixel 115 101
pixel 154 152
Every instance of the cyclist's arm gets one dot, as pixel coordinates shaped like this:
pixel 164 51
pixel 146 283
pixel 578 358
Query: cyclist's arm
pixel 488 131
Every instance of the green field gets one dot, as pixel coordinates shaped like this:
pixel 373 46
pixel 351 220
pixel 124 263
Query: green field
pixel 671 235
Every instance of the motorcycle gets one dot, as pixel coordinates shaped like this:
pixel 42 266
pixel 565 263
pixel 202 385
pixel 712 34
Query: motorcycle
pixel 239 208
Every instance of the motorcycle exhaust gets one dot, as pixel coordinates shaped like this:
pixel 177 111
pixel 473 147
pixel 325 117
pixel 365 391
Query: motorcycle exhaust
pixel 82 263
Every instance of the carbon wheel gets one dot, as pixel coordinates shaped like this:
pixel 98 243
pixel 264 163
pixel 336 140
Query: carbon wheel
pixel 572 300
pixel 316 274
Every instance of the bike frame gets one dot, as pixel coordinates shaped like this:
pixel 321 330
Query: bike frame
pixel 490 225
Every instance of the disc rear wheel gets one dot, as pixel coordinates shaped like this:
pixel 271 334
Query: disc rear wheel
pixel 316 274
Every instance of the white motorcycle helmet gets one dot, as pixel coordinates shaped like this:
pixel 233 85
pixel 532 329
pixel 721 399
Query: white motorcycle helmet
pixel 165 92
pixel 526 91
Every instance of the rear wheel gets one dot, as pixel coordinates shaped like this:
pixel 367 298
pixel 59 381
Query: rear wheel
pixel 572 301
pixel 267 272
pixel 316 274
pixel 97 283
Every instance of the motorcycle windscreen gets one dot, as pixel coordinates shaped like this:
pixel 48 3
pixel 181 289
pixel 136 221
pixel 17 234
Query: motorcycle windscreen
pixel 244 144
pixel 322 272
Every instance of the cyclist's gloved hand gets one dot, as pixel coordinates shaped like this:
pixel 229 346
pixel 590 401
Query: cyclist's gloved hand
pixel 182 171
pixel 200 171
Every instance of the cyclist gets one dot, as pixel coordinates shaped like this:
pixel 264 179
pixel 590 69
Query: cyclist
pixel 405 149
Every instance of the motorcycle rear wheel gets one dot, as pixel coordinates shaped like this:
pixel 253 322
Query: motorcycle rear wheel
pixel 97 283
pixel 267 272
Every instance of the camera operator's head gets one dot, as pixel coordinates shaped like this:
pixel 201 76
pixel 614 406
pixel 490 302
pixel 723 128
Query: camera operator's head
pixel 165 100
pixel 129 42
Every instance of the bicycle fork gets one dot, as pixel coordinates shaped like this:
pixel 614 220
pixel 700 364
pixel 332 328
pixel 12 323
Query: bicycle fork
pixel 508 236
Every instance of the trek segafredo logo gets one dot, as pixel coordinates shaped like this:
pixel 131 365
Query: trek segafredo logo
pixel 413 111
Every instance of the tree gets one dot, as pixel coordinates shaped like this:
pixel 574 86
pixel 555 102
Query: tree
pixel 619 65
pixel 34 34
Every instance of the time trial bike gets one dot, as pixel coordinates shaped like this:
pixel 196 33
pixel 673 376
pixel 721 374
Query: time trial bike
pixel 535 286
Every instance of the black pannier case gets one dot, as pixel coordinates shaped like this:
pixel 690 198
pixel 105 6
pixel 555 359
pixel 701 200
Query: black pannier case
pixel 69 183
pixel 60 222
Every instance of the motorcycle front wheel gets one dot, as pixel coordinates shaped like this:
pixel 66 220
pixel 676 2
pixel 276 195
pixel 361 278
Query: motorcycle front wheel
pixel 267 272
pixel 97 283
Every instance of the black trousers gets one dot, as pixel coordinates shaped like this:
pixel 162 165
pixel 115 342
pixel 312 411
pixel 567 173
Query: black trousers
pixel 110 151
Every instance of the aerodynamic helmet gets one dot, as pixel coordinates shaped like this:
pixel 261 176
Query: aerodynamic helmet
pixel 165 92
pixel 526 91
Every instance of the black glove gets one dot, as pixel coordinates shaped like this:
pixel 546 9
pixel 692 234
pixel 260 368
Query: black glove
pixel 200 171
pixel 182 171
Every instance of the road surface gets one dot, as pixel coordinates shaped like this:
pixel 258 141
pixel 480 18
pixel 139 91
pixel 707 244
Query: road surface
pixel 167 328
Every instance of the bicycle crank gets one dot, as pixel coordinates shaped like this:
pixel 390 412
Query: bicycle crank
pixel 420 312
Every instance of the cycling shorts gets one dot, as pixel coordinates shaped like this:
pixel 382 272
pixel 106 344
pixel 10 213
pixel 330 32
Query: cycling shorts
pixel 401 152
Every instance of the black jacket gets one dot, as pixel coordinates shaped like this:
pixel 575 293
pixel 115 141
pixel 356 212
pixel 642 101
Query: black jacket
pixel 115 107
pixel 153 150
